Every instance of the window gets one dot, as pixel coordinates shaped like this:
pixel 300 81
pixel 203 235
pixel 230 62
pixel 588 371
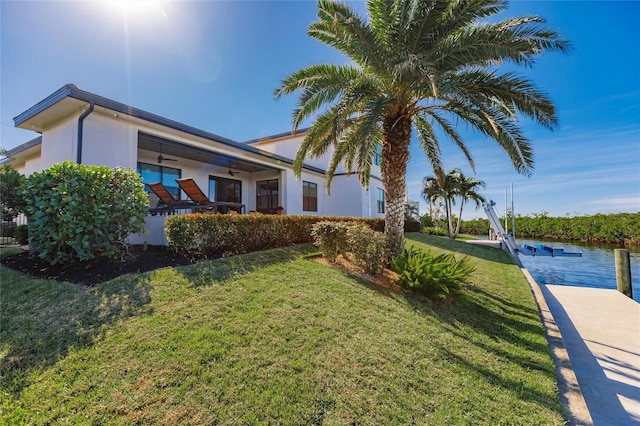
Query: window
pixel 377 157
pixel 225 190
pixel 267 195
pixel 309 196
pixel 165 175
pixel 380 200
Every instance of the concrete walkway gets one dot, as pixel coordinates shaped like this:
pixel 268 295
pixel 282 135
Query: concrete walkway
pixel 594 338
pixel 600 330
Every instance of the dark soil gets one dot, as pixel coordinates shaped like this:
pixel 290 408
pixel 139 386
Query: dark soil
pixel 95 271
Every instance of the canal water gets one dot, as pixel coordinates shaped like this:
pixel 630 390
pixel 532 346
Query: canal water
pixel 596 268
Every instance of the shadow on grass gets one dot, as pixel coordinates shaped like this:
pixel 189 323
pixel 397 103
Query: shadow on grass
pixel 42 321
pixel 224 269
pixel 474 250
pixel 524 393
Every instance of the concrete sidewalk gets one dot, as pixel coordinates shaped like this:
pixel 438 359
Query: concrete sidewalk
pixel 600 330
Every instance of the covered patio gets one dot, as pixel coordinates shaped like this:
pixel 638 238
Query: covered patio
pixel 201 179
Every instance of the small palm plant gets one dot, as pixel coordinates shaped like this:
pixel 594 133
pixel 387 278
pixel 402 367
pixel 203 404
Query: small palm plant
pixel 437 277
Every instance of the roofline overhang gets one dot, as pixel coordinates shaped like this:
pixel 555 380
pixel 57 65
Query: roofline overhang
pixel 20 148
pixel 73 91
pixel 282 135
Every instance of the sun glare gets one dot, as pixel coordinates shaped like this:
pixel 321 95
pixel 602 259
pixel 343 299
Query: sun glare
pixel 137 8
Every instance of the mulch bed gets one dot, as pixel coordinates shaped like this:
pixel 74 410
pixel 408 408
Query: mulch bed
pixel 96 271
pixel 100 270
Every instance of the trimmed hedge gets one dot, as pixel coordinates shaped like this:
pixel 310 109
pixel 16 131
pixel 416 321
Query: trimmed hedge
pixel 202 235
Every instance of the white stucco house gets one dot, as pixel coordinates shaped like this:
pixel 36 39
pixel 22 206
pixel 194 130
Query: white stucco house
pixel 76 125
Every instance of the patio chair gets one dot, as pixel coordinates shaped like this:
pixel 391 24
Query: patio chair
pixel 202 202
pixel 193 191
pixel 167 203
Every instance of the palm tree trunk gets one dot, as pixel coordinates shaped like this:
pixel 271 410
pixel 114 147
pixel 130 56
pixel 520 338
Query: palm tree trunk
pixel 459 219
pixel 396 135
pixel 448 207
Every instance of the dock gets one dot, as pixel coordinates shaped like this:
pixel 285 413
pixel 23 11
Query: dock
pixel 594 336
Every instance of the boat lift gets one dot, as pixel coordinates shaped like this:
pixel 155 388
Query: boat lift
pixel 509 243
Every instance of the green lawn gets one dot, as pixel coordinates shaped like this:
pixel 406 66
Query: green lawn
pixel 274 338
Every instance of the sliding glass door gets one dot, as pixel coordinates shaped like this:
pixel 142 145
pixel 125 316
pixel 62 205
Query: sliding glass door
pixel 225 190
pixel 267 196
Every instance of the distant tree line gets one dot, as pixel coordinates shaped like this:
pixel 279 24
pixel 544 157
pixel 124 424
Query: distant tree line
pixel 618 228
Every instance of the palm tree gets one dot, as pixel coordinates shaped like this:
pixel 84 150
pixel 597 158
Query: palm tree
pixel 418 64
pixel 444 187
pixel 467 189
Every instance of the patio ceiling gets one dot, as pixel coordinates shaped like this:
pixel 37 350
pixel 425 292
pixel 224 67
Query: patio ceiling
pixel 169 148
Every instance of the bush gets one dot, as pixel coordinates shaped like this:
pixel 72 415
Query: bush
pixel 21 234
pixel 331 238
pixel 426 221
pixel 369 248
pixel 11 202
pixel 437 277
pixel 435 231
pixel 204 235
pixel 79 212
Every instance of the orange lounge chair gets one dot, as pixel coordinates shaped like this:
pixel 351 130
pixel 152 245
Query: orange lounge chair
pixel 193 191
pixel 167 203
pixel 202 202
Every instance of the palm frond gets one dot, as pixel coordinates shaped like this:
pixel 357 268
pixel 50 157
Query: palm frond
pixel 340 27
pixel 429 142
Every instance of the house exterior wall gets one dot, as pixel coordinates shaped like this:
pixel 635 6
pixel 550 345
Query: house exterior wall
pixel 59 143
pixel 288 147
pixel 28 165
pixel 109 141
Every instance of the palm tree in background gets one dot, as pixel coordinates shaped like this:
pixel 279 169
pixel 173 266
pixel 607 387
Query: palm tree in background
pixel 427 65
pixel 442 187
pixel 467 190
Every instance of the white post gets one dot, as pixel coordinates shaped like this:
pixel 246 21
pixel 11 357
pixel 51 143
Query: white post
pixel 513 215
pixel 506 210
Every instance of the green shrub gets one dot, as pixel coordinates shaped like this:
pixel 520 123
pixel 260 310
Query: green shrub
pixel 21 234
pixel 205 235
pixel 426 221
pixel 369 248
pixel 80 212
pixel 331 238
pixel 11 202
pixel 437 277
pixel 434 231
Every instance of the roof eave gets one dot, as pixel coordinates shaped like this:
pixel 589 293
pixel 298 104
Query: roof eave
pixel 73 91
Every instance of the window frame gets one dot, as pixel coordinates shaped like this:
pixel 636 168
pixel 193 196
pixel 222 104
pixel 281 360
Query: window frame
pixel 173 189
pixel 217 179
pixel 377 156
pixel 380 200
pixel 308 198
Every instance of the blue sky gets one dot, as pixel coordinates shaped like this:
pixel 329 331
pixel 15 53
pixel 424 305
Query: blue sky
pixel 214 65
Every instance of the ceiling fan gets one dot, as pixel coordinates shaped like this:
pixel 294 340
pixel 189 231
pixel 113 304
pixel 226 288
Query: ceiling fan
pixel 161 159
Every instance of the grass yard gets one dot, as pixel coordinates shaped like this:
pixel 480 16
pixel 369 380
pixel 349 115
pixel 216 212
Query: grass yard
pixel 274 338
